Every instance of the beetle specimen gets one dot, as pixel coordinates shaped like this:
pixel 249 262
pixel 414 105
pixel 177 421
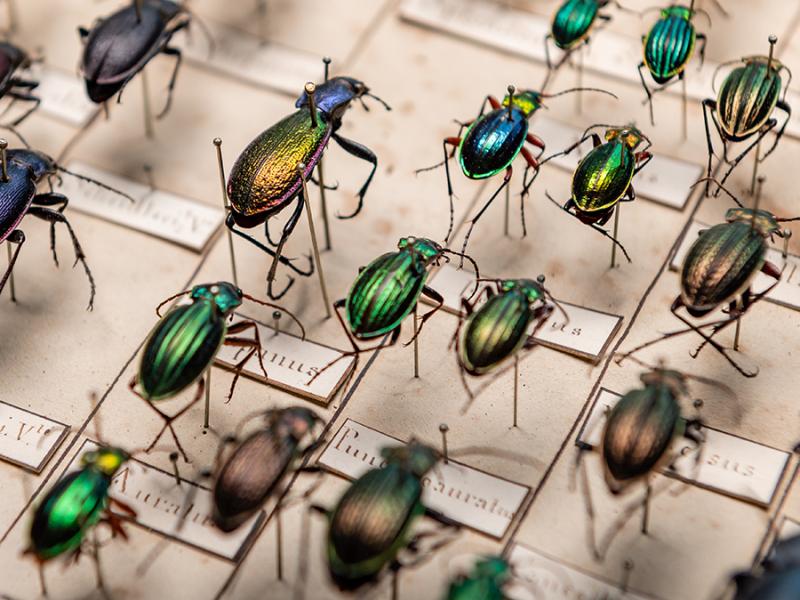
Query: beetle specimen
pixel 183 344
pixel 492 142
pixel 488 336
pixel 604 177
pixel 639 433
pixel 23 170
pixel 668 47
pixel 779 576
pixel 371 524
pixel 265 180
pixel 12 60
pixel 486 581
pixel 74 505
pixel 744 107
pixel 121 45
pixel 719 270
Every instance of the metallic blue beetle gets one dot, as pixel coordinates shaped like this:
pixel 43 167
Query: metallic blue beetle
pixel 779 578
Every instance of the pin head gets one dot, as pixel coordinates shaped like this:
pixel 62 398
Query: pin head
pixel 218 142
pixel 527 101
pixel 444 428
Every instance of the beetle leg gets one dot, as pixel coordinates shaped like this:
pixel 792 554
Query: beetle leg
pixel 364 153
pixel 586 135
pixel 648 92
pixel 27 98
pixel 506 179
pixel 15 237
pixel 436 297
pixel 701 37
pixel 54 216
pixel 83 33
pixel 788 110
pixel 768 126
pixel 254 344
pixel 540 315
pixel 168 420
pixel 710 106
pixel 642 158
pixel 535 140
pixel 169 51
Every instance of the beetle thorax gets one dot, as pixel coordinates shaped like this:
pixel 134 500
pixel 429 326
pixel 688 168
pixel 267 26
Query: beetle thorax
pixel 226 296
pixel 763 221
pixel 677 10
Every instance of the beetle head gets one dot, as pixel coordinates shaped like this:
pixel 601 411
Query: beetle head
pixel 225 295
pixel 298 421
pixel 760 59
pixel 427 248
pixel 762 220
pixel 661 376
pixel 491 567
pixel 677 10
pixel 629 135
pixel 528 101
pixel 414 457
pixel 107 459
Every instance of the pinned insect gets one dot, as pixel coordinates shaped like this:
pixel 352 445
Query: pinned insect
pixel 12 60
pixel 639 436
pixel 22 171
pixel 669 46
pixel 265 179
pixel 184 343
pixel 778 576
pixel 719 269
pixel 370 528
pixel 120 46
pixel 487 580
pixel 604 177
pixel 72 508
pixel 492 142
pixel 744 108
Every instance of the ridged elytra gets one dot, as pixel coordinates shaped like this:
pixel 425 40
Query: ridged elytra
pixel 12 60
pixel 668 47
pixel 265 178
pixel 486 581
pixel 184 343
pixel 604 176
pixel 778 577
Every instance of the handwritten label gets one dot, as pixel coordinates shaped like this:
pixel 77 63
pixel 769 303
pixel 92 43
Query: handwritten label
pixel 539 576
pixel 726 463
pixel 291 362
pixel 247 57
pixel 463 494
pixel 185 222
pixel 786 293
pixel 664 180
pixel 27 439
pixel 586 334
pixel 63 95
pixel 161 504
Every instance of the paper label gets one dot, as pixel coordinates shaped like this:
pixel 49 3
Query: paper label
pixel 160 505
pixel 291 362
pixel 725 463
pixel 473 498
pixel 63 95
pixel 789 528
pixel 587 334
pixel 786 293
pixel 243 55
pixel 538 576
pixel 27 439
pixel 164 215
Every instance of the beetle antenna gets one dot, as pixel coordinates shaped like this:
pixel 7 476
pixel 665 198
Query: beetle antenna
pixel 558 305
pixel 717 70
pixel 168 300
pixel 472 262
pixel 698 378
pixel 374 97
pixel 95 182
pixel 700 11
pixel 580 89
pixel 327 62
pixel 25 143
pixel 720 186
pixel 275 306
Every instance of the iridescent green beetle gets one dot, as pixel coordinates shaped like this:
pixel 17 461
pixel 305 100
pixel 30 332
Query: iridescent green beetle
pixel 668 47
pixel 719 269
pixel 74 505
pixel 265 178
pixel 487 581
pixel 184 343
pixel 744 107
pixel 604 176
pixel 372 522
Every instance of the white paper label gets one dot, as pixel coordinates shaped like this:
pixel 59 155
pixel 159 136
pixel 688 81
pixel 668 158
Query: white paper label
pixel 63 95
pixel 160 505
pixel 725 463
pixel 786 293
pixel 27 439
pixel 587 333
pixel 180 220
pixel 291 362
pixel 789 528
pixel 471 497
pixel 246 56
pixel 539 576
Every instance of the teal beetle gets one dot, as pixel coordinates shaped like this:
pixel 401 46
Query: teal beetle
pixel 265 178
pixel 668 47
pixel 74 505
pixel 778 577
pixel 744 107
pixel 492 142
pixel 487 581
pixel 604 176
pixel 184 343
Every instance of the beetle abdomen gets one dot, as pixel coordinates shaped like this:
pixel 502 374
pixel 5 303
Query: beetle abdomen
pixel 492 142
pixel 68 510
pixel 180 348
pixel 494 332
pixel 602 177
pixel 265 174
pixel 720 265
pixel 746 99
pixel 572 22
pixel 668 47
pixel 370 523
pixel 384 294
pixel 638 431
pixel 249 476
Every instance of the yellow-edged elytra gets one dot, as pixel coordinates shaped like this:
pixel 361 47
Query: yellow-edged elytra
pixel 265 178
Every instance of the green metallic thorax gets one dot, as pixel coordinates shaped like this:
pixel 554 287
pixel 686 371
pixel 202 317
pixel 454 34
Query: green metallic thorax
pixel 573 22
pixel 603 176
pixel 485 582
pixel 670 43
pixel 747 97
